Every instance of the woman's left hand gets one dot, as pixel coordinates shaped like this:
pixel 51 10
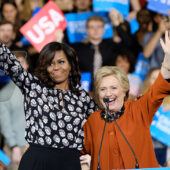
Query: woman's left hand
pixel 85 159
pixel 165 69
pixel 166 45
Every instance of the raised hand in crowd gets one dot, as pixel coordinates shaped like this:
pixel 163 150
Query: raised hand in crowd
pixel 116 17
pixel 59 35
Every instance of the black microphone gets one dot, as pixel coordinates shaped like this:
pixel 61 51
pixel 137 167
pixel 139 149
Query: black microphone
pixel 106 100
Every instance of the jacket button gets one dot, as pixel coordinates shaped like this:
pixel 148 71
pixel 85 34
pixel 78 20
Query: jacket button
pixel 111 133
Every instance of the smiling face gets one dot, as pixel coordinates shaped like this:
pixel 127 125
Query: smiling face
pixel 59 70
pixel 110 87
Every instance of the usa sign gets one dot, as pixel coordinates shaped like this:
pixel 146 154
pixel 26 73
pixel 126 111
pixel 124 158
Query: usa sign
pixel 40 29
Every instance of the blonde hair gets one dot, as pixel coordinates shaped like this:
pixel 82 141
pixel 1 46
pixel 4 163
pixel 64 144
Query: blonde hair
pixel 115 71
pixel 94 18
pixel 147 84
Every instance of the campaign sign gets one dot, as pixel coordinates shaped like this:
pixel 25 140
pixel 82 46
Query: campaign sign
pixel 160 6
pixel 142 67
pixel 134 25
pixel 4 158
pixel 162 168
pixel 40 29
pixel 160 127
pixel 86 81
pixel 106 5
pixel 76 29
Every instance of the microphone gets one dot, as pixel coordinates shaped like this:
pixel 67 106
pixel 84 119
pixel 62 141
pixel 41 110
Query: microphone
pixel 106 100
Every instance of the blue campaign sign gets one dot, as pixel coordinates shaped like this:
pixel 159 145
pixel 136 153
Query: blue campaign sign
pixel 160 6
pixel 164 168
pixel 105 5
pixel 4 158
pixel 134 25
pixel 76 29
pixel 142 67
pixel 160 127
pixel 86 81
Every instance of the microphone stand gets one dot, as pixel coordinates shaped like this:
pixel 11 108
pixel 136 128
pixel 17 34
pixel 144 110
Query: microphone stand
pixel 136 164
pixel 98 167
pixel 105 100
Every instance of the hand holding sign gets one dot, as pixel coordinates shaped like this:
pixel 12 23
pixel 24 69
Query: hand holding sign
pixel 40 29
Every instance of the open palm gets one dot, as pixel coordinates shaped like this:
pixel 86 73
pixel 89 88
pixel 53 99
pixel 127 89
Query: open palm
pixel 166 45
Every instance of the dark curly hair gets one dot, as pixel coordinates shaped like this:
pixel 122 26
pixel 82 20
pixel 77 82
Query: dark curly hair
pixel 126 54
pixel 45 58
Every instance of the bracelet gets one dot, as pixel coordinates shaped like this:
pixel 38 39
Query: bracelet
pixel 163 65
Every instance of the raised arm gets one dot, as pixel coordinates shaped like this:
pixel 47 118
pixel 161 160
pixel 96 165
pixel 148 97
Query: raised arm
pixel 12 67
pixel 165 69
pixel 149 103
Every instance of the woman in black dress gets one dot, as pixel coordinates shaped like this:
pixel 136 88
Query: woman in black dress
pixel 56 107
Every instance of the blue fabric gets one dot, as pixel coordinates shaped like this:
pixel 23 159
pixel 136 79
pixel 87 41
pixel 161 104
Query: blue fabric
pixel 104 5
pixel 159 6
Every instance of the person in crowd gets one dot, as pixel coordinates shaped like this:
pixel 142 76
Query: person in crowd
pixel 10 13
pixel 65 5
pixel 82 6
pixel 125 59
pixel 144 19
pixel 117 116
pixel 29 7
pixel 12 120
pixel 55 107
pixel 121 32
pixel 151 45
pixel 96 52
pixel 7 34
pixel 160 148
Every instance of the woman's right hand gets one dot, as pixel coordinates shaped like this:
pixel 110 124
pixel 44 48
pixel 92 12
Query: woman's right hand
pixel 26 147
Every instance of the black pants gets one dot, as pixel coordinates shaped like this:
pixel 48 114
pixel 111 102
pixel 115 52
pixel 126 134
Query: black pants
pixel 42 158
